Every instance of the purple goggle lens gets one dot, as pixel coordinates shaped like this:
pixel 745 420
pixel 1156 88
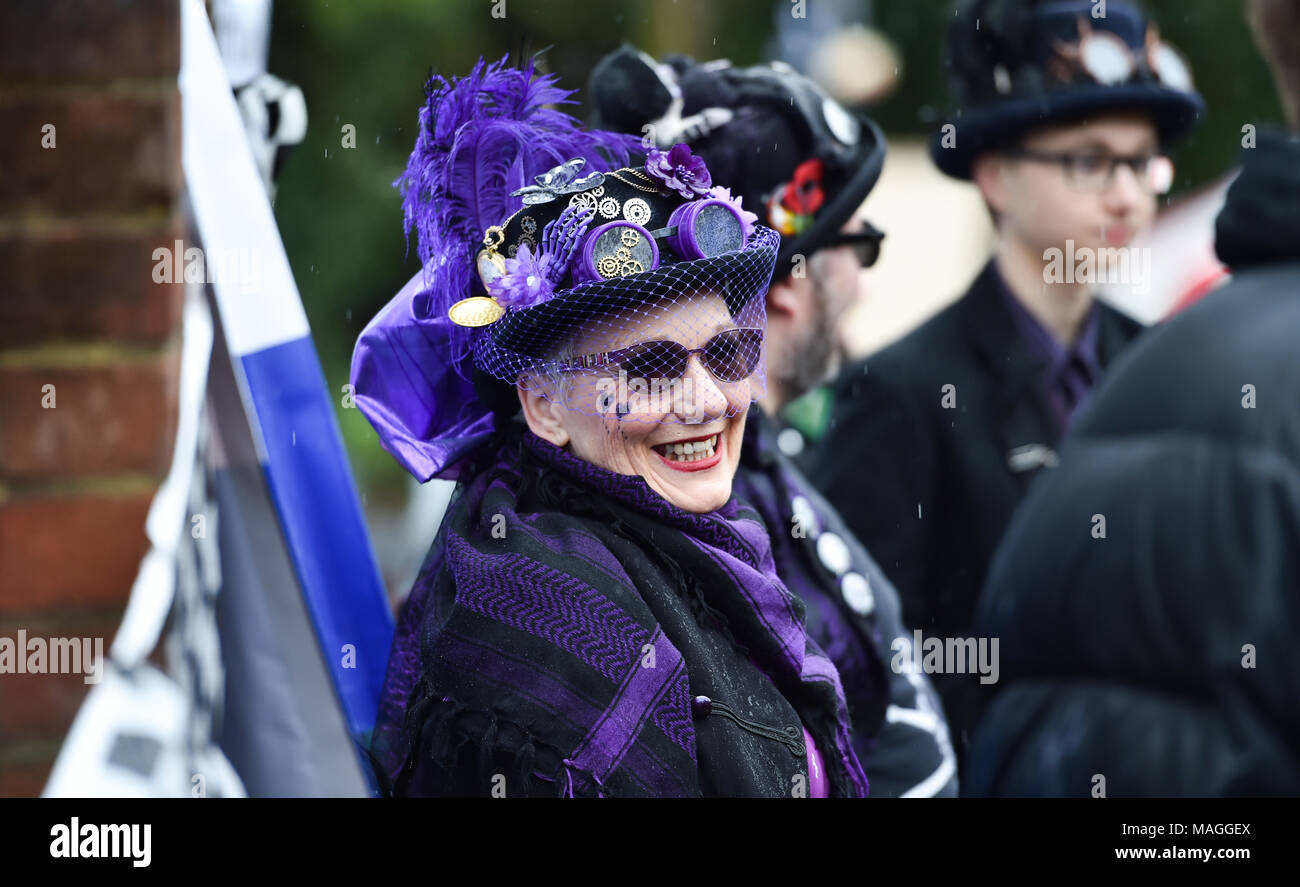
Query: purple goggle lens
pixel 699 229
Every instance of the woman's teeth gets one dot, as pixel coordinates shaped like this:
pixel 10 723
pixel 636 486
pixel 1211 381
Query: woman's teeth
pixel 689 452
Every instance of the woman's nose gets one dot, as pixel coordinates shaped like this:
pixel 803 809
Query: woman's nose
pixel 701 398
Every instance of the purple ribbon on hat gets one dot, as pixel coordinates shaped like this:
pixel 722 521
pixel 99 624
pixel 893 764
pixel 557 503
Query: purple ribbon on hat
pixel 427 414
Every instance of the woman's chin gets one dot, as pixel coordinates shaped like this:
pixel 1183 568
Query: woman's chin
pixel 696 491
pixel 694 482
pixel 702 496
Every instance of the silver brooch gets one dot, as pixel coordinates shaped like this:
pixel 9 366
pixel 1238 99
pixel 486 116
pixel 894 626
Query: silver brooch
pixel 559 180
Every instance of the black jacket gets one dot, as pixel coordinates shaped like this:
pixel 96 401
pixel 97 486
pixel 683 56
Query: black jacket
pixel 928 489
pixel 1163 657
pixel 899 729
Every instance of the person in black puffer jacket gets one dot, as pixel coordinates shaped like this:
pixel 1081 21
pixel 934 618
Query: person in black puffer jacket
pixel 1147 594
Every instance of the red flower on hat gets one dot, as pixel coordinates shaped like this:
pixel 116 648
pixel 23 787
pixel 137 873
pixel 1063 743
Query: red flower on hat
pixel 804 195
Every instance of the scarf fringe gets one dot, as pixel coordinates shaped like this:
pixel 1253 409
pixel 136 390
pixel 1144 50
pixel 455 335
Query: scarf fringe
pixel 443 727
pixel 589 780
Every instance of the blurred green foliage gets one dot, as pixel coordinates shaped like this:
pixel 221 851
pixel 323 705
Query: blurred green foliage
pixel 365 64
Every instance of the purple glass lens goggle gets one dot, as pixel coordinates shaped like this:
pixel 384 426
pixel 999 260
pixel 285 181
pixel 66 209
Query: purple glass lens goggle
pixel 730 356
pixel 699 229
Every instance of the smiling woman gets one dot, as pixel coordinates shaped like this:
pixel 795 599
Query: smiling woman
pixel 669 408
pixel 598 615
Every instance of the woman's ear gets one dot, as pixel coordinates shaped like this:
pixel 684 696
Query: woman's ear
pixel 542 412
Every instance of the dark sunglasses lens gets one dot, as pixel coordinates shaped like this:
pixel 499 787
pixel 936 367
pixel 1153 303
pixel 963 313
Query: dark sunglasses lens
pixel 733 354
pixel 868 252
pixel 654 360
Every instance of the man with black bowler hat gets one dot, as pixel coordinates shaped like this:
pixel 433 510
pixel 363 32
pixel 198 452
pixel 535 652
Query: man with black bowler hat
pixel 1164 664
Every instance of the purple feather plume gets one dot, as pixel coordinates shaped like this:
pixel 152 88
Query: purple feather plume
pixel 480 137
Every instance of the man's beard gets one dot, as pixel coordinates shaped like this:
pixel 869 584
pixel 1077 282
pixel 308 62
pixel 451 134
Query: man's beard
pixel 809 360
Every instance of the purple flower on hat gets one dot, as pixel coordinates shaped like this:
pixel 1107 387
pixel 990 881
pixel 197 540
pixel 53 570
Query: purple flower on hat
pixel 747 218
pixel 680 171
pixel 527 280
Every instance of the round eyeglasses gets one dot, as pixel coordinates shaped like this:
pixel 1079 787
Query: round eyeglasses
pixel 1094 171
pixel 1104 57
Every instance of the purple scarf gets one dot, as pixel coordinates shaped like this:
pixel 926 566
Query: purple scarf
pixel 564 629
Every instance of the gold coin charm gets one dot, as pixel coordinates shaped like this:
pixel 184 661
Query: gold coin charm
pixel 475 311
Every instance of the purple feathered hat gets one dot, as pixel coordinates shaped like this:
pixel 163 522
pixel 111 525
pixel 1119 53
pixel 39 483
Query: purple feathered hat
pixel 531 228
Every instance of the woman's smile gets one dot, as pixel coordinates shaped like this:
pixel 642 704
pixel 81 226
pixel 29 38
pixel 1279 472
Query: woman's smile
pixel 698 453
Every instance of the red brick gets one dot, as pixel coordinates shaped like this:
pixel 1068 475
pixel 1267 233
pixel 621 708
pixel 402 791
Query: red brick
pixel 89 39
pixel 81 551
pixel 25 780
pixel 33 705
pixel 87 285
pixel 105 420
pixel 112 151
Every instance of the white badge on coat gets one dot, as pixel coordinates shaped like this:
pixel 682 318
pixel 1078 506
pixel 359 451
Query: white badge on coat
pixel 1030 457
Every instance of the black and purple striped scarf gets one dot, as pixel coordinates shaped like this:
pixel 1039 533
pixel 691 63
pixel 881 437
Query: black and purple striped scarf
pixel 564 629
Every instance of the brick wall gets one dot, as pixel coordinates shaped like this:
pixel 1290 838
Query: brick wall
pixel 79 311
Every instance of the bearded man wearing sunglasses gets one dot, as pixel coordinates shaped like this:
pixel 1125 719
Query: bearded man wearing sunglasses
pixel 803 166
pixel 1064 110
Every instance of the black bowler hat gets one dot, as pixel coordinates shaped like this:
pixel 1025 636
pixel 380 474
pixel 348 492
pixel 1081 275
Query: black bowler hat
pixel 798 159
pixel 1017 65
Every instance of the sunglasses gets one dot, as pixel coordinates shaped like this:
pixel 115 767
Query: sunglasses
pixel 865 243
pixel 729 356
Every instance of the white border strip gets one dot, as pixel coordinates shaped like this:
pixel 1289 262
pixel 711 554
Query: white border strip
pixel 229 200
pixel 151 594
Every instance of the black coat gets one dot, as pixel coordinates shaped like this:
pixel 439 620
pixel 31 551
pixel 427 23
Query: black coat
pixel 1128 656
pixel 899 729
pixel 928 489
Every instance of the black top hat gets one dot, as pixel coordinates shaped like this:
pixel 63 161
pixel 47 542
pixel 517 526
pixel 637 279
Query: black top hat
pixel 797 158
pixel 619 270
pixel 1017 65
